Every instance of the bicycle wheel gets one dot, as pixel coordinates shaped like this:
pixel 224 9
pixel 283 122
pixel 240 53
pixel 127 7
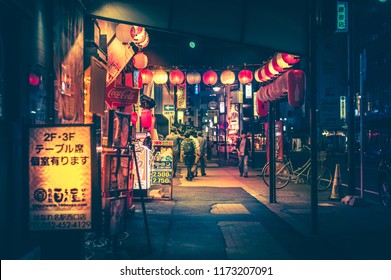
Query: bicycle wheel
pixel 283 175
pixel 325 178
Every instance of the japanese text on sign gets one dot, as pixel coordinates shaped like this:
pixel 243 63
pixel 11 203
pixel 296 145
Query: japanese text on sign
pixel 60 178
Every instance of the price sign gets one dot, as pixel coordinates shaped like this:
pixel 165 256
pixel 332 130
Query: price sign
pixel 162 163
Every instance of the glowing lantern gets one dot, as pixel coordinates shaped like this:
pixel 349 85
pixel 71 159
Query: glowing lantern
pixel 209 78
pixel 122 32
pixel 285 60
pixel 160 77
pixel 146 118
pixel 276 66
pixel 193 78
pixel 134 118
pixel 33 80
pixel 143 43
pixel 271 68
pixel 146 76
pixel 268 73
pixel 245 76
pixel 140 60
pixel 137 33
pixel 256 75
pixel 177 77
pixel 227 77
pixel 262 76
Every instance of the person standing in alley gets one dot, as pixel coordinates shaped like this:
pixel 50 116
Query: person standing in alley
pixel 188 151
pixel 176 139
pixel 193 136
pixel 243 146
pixel 202 142
pixel 209 145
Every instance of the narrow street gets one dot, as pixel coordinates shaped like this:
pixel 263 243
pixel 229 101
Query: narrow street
pixel 224 216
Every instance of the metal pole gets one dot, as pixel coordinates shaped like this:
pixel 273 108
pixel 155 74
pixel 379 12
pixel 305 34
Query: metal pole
pixel 361 127
pixel 225 125
pixel 142 199
pixel 175 106
pixel 313 121
pixel 272 151
pixel 351 134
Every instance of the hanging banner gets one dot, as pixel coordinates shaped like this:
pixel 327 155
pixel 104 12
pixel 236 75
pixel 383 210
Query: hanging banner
pixel 181 96
pixel 60 187
pixel 278 139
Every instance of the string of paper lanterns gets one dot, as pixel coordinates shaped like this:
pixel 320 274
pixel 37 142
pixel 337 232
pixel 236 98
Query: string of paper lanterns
pixel 277 65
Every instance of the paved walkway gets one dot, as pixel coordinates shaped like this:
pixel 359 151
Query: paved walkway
pixel 224 216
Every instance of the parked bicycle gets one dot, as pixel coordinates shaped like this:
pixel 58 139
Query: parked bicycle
pixel 286 173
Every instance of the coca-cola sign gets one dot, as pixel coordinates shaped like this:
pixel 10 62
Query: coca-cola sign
pixel 121 95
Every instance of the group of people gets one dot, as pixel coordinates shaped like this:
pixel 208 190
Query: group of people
pixel 191 148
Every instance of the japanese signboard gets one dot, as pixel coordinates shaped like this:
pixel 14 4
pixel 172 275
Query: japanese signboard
pixel 60 187
pixel 342 16
pixel 162 162
pixel 142 154
pixel 278 139
pixel 181 97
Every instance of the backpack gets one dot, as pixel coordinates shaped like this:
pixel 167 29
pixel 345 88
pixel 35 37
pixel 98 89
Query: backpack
pixel 188 147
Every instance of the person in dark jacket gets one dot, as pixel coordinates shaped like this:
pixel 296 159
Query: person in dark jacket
pixel 176 139
pixel 243 145
pixel 188 155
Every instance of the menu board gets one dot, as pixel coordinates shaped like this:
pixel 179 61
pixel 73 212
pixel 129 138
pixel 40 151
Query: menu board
pixel 162 162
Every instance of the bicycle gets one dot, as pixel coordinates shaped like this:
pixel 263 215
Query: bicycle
pixel 286 173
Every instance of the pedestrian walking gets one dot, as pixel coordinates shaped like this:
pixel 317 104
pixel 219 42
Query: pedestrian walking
pixel 176 139
pixel 202 143
pixel 193 136
pixel 188 154
pixel 243 146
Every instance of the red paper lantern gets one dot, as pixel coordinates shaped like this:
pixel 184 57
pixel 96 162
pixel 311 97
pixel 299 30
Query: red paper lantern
pixel 268 73
pixel 137 33
pixel 245 76
pixel 146 118
pixel 285 60
pixel 209 78
pixel 262 108
pixel 276 66
pixel 146 76
pixel 176 77
pixel 134 118
pixel 33 80
pixel 256 75
pixel 271 68
pixel 140 60
pixel 143 42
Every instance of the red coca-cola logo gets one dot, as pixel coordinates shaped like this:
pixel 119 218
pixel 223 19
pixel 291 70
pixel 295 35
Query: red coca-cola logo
pixel 122 95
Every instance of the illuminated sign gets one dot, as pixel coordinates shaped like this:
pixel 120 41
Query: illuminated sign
pixel 60 188
pixel 248 91
pixel 162 162
pixel 222 107
pixel 342 16
pixel 342 108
